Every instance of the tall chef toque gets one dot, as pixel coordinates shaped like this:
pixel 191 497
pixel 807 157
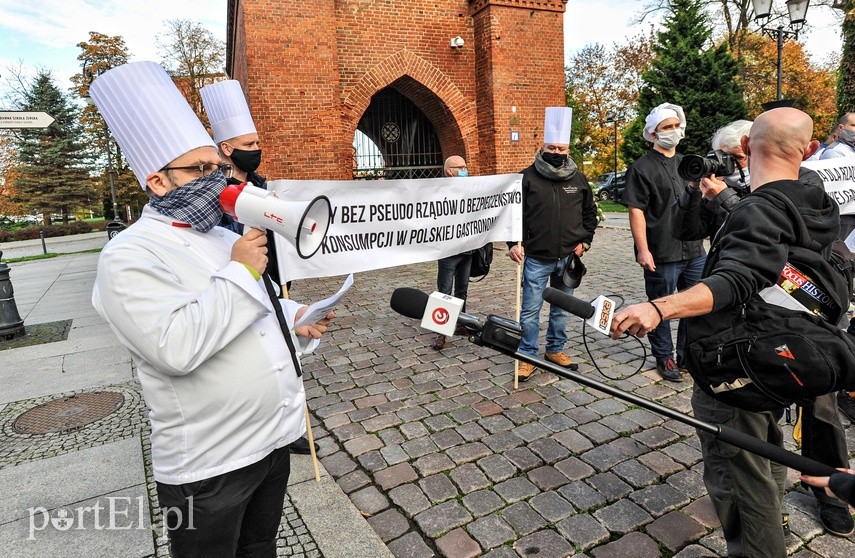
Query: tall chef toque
pixel 227 110
pixel 660 113
pixel 557 125
pixel 148 116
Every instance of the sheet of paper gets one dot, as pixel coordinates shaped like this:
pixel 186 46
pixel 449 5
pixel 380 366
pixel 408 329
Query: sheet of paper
pixel 321 308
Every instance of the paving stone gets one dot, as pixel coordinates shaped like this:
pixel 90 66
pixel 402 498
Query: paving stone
pixel 515 489
pixel 438 488
pixel 656 437
pixel 432 464
pixel 603 458
pixel 468 452
pixel 644 418
pixel 348 431
pixel 581 415
pixel 660 463
pixel 469 478
pixel 410 499
pixel 622 517
pixel 549 450
pixel 362 444
pixel 829 545
pixel 597 433
pixel 547 478
pixel 523 518
pixel 394 454
pixel 487 408
pixel 628 446
pixel 395 475
pixel 633 545
pixel 804 526
pixel 551 506
pixel 391 436
pixel 354 480
pixel 419 447
pixel 622 426
pixel 682 453
pixel 531 431
pixel 583 531
pixel 497 467
pixel 608 406
pixel 659 499
pixel 369 500
pixel 523 458
pixel 544 544
pixel 389 524
pixel 446 438
pixel 610 486
pixel 458 544
pixel 442 518
pixel 715 542
pixel 464 415
pixel 702 511
pixel 558 422
pixel 574 468
pixel 413 430
pixel 634 473
pixel 372 461
pixel 471 431
pixel 439 423
pixel 491 531
pixel 411 545
pixel 689 483
pixel 582 496
pixel 698 551
pixel 412 414
pixel 338 464
pixel 521 415
pixel 502 441
pixel 482 502
pixel 675 530
pixel 381 421
pixel 573 441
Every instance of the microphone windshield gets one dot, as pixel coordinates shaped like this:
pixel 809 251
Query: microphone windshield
pixel 575 306
pixel 409 302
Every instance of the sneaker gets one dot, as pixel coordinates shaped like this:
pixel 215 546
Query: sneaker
pixel 836 519
pixel 667 368
pixel 301 446
pixel 785 524
pixel 846 404
pixel 562 360
pixel 525 371
pixel 438 343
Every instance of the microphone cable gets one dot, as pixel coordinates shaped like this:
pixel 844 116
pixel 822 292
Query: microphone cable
pixel 625 335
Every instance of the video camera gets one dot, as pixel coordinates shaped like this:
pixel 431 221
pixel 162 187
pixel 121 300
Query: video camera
pixel 716 163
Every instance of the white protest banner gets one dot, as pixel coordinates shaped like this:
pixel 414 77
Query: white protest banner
pixel 386 223
pixel 839 178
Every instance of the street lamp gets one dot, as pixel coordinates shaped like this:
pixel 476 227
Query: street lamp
pixel 797 11
pixel 614 118
pixel 89 74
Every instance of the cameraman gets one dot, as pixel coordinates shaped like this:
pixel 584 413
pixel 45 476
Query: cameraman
pixel 699 212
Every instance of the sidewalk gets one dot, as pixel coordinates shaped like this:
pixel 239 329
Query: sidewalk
pixel 61 489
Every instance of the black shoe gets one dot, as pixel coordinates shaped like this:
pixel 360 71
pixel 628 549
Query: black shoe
pixel 301 446
pixel 681 364
pixel 438 343
pixel 668 369
pixel 836 519
pixel 846 404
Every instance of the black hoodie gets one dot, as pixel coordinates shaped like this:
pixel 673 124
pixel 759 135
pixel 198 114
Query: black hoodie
pixel 752 246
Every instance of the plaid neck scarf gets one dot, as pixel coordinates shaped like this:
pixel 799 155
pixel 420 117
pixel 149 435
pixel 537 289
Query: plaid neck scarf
pixel 196 203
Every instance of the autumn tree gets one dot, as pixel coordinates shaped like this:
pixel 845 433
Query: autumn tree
pixel 194 58
pixel 689 71
pixel 53 175
pixel 8 175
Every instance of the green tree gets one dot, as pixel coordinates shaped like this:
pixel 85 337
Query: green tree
pixel 846 76
pixel 53 175
pixel 691 72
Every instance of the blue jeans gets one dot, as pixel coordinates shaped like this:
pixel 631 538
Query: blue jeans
pixel 535 275
pixel 453 272
pixel 667 279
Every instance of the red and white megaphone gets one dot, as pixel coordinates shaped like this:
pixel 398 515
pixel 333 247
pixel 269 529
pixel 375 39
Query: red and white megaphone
pixel 303 224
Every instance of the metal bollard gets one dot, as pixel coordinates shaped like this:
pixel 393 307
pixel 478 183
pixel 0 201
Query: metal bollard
pixel 42 236
pixel 11 324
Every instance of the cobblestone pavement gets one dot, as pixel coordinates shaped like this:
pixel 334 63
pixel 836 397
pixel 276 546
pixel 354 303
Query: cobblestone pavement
pixel 445 458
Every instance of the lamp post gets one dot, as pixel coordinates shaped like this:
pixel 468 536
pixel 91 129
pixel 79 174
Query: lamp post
pixel 797 11
pixel 614 118
pixel 90 74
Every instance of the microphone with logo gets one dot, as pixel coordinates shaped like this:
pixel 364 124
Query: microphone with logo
pixel 597 314
pixel 503 335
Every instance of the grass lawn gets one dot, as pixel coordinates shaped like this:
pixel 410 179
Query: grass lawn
pixel 612 207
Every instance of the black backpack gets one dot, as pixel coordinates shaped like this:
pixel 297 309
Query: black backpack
pixel 759 356
pixel 482 258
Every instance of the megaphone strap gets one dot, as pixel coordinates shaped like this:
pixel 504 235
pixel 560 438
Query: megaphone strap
pixel 283 325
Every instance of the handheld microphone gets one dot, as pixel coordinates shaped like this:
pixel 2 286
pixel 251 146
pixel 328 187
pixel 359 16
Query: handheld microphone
pixel 413 303
pixel 597 314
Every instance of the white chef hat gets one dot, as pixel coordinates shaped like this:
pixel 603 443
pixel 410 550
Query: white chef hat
pixel 148 116
pixel 557 125
pixel 227 110
pixel 660 113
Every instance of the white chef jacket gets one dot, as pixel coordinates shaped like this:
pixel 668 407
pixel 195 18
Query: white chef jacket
pixel 214 368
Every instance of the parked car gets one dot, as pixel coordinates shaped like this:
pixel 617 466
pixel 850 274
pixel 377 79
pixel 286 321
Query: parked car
pixel 610 189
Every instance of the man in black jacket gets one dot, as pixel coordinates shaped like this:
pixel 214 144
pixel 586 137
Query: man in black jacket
pixel 752 248
pixel 559 219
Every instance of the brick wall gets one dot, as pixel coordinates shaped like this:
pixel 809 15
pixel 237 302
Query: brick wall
pixel 310 69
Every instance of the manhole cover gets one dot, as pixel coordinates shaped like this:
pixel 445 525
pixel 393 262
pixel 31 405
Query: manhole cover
pixel 69 412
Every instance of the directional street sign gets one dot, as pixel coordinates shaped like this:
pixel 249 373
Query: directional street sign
pixel 20 119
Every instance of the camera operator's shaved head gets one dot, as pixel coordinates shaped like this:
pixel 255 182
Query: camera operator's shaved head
pixel 779 141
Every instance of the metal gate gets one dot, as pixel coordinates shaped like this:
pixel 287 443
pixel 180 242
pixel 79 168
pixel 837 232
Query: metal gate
pixel 394 139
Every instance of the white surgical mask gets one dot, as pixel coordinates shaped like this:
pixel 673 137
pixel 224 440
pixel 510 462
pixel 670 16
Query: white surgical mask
pixel 669 140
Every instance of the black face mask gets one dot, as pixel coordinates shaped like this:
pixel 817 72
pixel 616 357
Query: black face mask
pixel 246 161
pixel 557 160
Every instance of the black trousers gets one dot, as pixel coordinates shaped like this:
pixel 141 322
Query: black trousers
pixel 824 439
pixel 233 514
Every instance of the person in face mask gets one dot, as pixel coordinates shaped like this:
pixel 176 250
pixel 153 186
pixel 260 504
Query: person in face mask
pixel 452 274
pixel 844 145
pixel 669 264
pixel 559 220
pixel 217 368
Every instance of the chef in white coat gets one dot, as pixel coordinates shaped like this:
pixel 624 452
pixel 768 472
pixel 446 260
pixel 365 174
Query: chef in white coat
pixel 185 297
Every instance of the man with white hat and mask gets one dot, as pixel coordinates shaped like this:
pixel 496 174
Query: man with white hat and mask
pixel 237 139
pixel 652 185
pixel 559 220
pixel 217 370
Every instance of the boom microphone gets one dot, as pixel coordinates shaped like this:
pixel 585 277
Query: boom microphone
pixel 598 314
pixel 412 303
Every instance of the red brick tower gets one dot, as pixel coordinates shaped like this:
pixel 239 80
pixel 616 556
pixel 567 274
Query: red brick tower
pixel 315 71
